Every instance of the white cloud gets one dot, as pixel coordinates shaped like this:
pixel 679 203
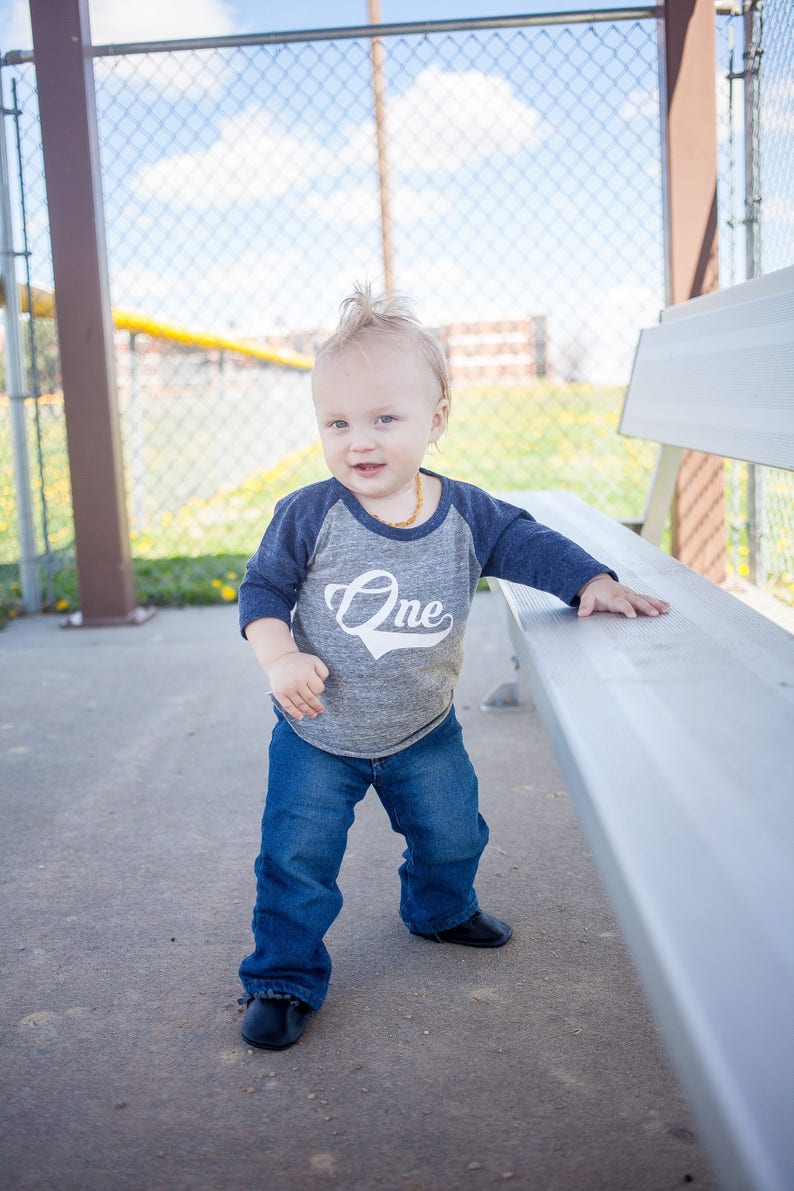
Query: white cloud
pixel 610 332
pixel 726 117
pixel 186 74
pixel 15 26
pixel 257 294
pixel 447 120
pixel 777 106
pixel 360 205
pixel 644 104
pixel 779 207
pixel 640 104
pixel 252 160
pixel 443 122
pixel 116 21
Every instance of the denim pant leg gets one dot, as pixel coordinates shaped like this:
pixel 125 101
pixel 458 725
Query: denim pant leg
pixel 430 794
pixel 310 807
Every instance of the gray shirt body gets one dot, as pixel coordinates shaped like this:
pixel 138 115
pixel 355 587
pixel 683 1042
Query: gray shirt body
pixel 386 609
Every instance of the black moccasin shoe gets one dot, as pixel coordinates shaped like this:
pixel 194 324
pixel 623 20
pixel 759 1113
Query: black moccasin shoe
pixel 481 930
pixel 272 1023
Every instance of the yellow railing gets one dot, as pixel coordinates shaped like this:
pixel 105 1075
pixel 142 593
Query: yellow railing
pixel 43 302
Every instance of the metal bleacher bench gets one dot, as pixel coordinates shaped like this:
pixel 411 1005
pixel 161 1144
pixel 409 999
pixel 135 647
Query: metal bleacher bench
pixel 675 734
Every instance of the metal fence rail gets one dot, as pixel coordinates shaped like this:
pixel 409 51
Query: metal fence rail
pixel 242 189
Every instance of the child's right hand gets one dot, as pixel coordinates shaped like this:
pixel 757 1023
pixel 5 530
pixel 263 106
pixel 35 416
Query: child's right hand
pixel 296 679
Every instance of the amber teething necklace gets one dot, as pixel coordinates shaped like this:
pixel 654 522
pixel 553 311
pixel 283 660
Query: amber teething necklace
pixel 414 515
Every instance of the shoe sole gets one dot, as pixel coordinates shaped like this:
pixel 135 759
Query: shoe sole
pixel 464 942
pixel 268 1045
pixel 479 946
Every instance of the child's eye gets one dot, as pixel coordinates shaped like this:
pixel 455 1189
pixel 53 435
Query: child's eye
pixel 340 424
pixel 386 418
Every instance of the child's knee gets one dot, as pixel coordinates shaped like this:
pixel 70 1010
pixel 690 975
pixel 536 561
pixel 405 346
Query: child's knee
pixel 453 841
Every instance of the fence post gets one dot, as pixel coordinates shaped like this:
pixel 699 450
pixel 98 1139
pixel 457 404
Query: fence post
pixel 689 142
pixel 16 383
pixel 384 188
pixel 64 78
pixel 752 242
pixel 137 457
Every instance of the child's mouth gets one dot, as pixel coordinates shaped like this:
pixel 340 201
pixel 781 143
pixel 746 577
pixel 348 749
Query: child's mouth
pixel 368 469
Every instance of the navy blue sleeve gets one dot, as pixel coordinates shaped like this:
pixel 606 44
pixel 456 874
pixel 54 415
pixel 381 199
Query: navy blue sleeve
pixel 511 544
pixel 274 574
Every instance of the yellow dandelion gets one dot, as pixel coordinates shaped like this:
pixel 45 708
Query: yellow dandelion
pixel 228 593
pixel 62 606
pixel 231 574
pixel 217 583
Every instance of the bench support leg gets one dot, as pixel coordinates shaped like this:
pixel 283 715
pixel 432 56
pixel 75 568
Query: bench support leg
pixel 508 694
pixel 660 497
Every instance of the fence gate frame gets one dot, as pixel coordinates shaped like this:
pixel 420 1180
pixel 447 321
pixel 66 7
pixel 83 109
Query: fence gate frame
pixel 70 145
pixel 63 57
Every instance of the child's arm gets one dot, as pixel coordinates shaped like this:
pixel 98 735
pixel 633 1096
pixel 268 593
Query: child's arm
pixel 510 544
pixel 296 679
pixel 604 594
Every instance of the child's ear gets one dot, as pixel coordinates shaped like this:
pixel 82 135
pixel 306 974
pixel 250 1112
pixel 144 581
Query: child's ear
pixel 439 423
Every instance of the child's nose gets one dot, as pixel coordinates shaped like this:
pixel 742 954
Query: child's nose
pixel 362 440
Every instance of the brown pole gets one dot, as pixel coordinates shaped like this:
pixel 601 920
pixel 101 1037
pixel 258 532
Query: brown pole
pixel 687 66
pixel 64 76
pixel 379 93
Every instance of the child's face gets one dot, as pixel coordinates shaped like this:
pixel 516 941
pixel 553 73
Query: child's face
pixel 377 409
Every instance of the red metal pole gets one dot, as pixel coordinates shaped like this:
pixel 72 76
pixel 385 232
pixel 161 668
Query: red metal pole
pixel 64 75
pixel 688 99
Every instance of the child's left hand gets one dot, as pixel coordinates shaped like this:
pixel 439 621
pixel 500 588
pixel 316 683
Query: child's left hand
pixel 603 594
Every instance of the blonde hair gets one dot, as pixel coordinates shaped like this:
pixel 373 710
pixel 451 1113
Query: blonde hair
pixel 387 318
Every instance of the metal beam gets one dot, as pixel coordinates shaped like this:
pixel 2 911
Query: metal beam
pixel 689 145
pixel 588 16
pixel 64 75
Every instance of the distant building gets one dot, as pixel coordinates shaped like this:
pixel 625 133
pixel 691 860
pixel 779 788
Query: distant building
pixel 504 352
pixel 308 343
pixel 508 352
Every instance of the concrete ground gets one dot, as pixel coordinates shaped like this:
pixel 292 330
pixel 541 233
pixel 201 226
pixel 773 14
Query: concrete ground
pixel 132 769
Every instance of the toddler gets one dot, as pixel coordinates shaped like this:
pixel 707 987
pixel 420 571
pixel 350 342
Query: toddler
pixel 355 605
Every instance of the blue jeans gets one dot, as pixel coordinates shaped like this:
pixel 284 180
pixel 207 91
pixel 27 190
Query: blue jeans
pixel 429 792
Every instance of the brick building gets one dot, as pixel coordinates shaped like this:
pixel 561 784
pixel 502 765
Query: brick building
pixel 508 352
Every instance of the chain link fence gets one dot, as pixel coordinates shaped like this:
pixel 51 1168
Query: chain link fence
pixel 518 204
pixel 755 77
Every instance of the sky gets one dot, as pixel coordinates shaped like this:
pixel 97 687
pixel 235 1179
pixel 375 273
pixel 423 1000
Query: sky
pixel 146 20
pixel 484 154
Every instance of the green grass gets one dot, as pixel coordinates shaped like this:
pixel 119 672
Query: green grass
pixel 545 435
pixel 548 436
pixel 55 462
pixel 231 520
pixel 163 582
pixel 196 555
pixel 540 436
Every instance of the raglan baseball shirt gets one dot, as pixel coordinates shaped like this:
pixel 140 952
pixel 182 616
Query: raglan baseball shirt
pixel 386 608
